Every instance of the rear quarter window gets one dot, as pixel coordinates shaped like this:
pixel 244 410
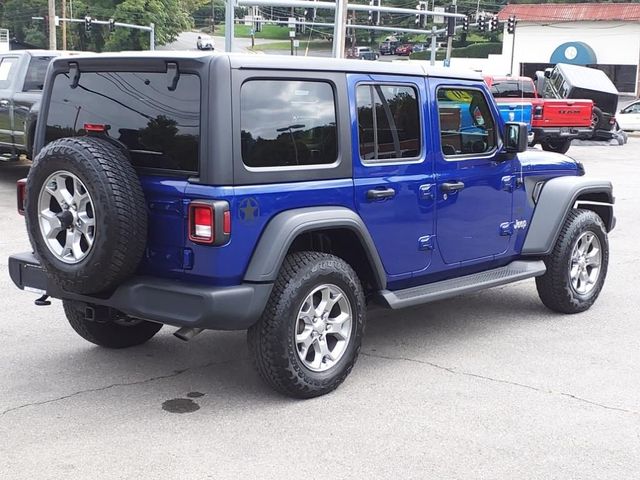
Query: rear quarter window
pixel 288 123
pixel 160 127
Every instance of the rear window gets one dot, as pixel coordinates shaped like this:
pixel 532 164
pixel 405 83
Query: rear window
pixel 34 80
pixel 160 127
pixel 513 89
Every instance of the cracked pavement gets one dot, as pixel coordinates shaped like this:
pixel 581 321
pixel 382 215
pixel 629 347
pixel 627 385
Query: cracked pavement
pixel 488 386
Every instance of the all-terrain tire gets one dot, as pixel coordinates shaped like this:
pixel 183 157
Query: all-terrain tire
pixel 272 341
pixel 558 145
pixel 120 232
pixel 555 287
pixel 597 120
pixel 119 331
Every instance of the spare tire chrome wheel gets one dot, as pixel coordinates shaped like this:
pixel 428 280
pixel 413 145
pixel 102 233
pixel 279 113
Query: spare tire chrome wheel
pixel 67 217
pixel 86 214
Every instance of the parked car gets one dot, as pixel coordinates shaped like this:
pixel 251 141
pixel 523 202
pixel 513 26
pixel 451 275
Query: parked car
pixel 628 118
pixel 325 185
pixel 566 81
pixel 369 55
pixel 388 47
pixel 21 79
pixel 362 53
pixel 404 50
pixel 419 47
pixel 205 42
pixel 554 122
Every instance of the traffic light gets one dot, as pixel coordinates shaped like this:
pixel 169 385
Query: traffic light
pixel 87 23
pixel 482 23
pixel 112 25
pixel 511 25
pixel 370 18
pixel 376 14
pixel 465 24
pixel 451 22
pixel 494 23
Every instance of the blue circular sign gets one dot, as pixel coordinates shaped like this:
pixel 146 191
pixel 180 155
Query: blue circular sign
pixel 575 53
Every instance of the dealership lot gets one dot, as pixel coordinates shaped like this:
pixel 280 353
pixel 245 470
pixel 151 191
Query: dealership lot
pixel 490 385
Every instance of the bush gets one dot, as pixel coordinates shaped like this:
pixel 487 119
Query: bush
pixel 475 50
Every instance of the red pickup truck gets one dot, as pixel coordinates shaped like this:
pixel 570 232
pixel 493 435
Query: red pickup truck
pixel 554 123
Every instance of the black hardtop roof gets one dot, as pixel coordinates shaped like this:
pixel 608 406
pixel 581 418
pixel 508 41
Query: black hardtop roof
pixel 280 62
pixel 587 78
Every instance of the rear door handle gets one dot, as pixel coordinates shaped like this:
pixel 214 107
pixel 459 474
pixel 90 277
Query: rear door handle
pixel 378 194
pixel 451 187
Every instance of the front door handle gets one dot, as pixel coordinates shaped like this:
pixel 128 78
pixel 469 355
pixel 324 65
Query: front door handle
pixel 380 194
pixel 451 187
pixel 4 103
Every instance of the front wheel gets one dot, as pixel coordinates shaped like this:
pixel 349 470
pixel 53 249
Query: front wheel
pixel 308 338
pixel 577 266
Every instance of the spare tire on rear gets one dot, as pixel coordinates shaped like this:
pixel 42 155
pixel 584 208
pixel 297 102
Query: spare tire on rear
pixel 86 214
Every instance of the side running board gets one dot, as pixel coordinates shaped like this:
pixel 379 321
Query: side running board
pixel 518 270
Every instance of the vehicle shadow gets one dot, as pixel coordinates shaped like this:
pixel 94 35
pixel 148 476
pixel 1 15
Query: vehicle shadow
pixel 218 364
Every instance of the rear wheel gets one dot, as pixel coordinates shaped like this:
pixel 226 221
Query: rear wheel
pixel 116 330
pixel 558 146
pixel 308 338
pixel 577 266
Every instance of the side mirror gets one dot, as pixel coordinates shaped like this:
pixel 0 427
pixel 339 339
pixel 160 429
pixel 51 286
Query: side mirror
pixel 547 73
pixel 515 137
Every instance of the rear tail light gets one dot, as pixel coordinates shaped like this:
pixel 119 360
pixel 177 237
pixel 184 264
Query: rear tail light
pixel 612 120
pixel 537 111
pixel 21 191
pixel 209 222
pixel 95 127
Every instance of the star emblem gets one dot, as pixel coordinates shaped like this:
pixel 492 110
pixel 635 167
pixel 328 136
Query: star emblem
pixel 249 209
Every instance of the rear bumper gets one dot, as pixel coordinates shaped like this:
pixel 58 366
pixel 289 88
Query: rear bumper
pixel 160 300
pixel 541 133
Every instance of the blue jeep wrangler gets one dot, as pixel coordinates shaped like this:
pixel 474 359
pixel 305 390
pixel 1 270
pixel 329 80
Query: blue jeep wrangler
pixel 283 196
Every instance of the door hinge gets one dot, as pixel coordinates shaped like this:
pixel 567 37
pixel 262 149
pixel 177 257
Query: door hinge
pixel 508 183
pixel 426 242
pixel 506 229
pixel 426 191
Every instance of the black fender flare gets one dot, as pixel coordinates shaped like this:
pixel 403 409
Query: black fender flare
pixel 283 229
pixel 557 197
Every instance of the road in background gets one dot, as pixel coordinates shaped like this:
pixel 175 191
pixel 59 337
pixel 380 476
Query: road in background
pixel 491 385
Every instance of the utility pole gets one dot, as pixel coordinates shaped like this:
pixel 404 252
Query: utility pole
pixel 434 29
pixel 64 24
pixel 452 9
pixel 228 22
pixel 53 44
pixel 340 28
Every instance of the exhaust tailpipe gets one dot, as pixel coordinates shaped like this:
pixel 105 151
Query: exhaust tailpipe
pixel 187 333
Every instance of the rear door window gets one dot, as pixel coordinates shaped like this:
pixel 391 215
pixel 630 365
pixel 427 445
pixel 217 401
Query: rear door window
pixel 160 127
pixel 388 122
pixel 34 80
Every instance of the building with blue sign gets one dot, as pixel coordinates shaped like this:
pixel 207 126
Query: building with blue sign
pixel 601 35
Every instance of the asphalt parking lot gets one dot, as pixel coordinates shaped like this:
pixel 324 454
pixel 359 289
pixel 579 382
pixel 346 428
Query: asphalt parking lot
pixel 490 385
